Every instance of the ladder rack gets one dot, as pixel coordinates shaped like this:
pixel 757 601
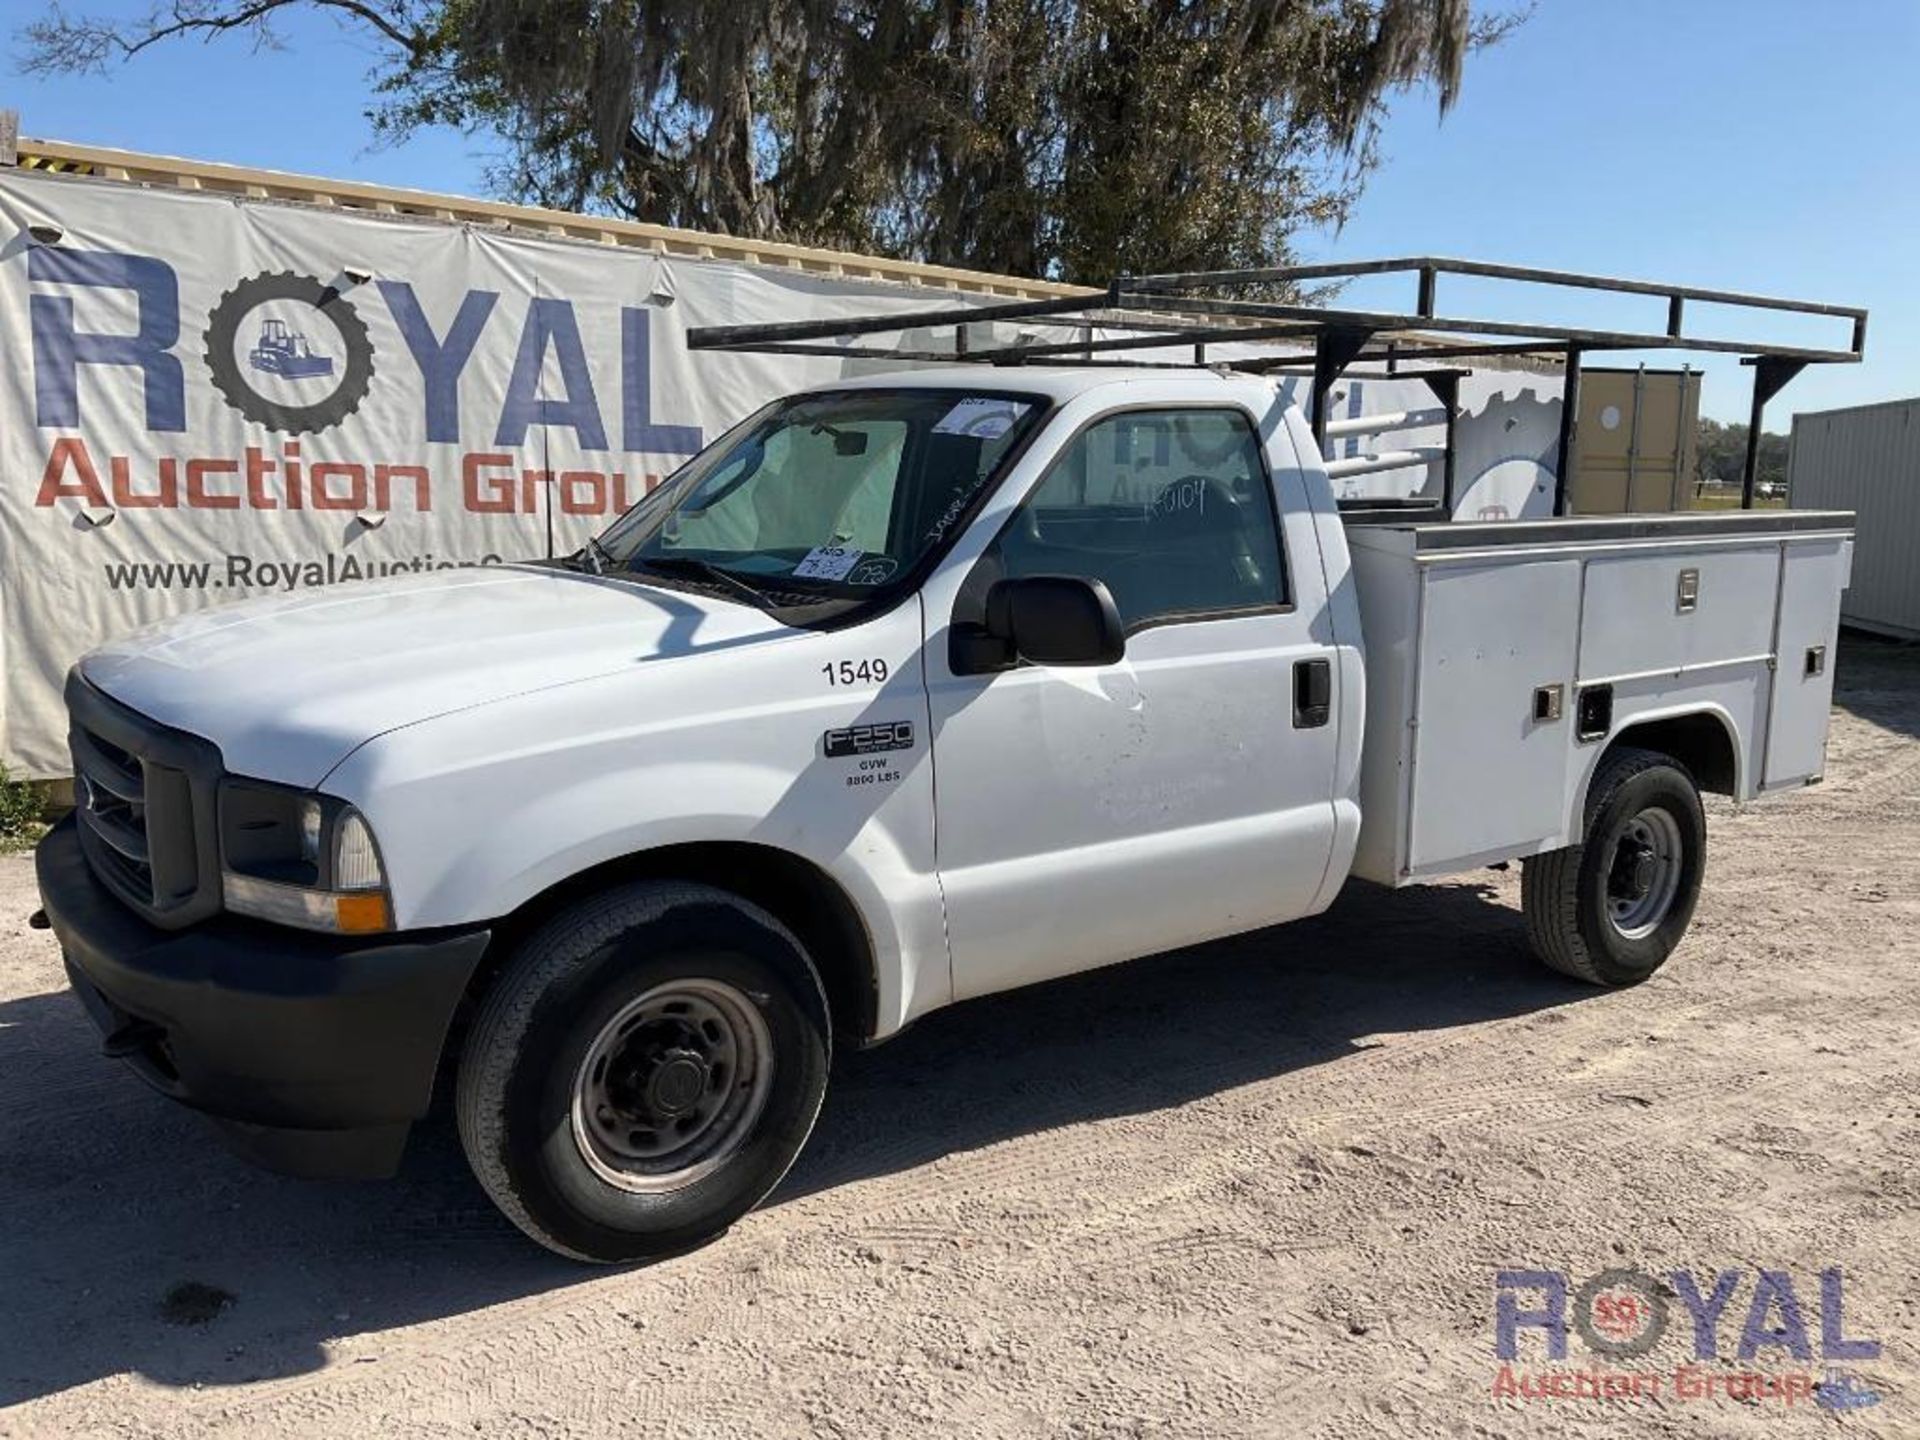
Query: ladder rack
pixel 1196 309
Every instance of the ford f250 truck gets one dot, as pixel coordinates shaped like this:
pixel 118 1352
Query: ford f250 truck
pixel 909 689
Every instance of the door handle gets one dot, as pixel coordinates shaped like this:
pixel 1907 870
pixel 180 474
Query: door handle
pixel 1312 693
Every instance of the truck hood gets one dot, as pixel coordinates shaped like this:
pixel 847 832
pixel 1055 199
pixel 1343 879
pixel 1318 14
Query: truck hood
pixel 287 687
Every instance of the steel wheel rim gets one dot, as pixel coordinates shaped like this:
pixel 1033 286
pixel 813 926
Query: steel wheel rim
pixel 672 1086
pixel 1643 873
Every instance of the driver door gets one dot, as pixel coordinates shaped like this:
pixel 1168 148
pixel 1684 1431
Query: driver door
pixel 1092 814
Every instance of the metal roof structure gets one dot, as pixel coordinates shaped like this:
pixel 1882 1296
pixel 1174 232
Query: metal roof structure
pixel 168 172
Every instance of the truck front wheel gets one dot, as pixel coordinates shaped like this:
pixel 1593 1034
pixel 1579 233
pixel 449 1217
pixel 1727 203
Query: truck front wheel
pixel 1612 908
pixel 644 1071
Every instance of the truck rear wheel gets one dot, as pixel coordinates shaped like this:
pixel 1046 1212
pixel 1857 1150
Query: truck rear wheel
pixel 644 1071
pixel 1612 908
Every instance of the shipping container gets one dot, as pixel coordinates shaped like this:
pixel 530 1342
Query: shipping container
pixel 1867 459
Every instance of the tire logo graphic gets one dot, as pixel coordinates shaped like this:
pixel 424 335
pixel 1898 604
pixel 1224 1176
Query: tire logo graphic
pixel 303 361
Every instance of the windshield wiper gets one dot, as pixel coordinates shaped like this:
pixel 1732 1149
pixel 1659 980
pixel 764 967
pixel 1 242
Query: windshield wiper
pixel 706 570
pixel 594 557
pixel 602 557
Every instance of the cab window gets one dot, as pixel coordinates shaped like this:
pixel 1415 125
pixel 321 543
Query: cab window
pixel 1173 509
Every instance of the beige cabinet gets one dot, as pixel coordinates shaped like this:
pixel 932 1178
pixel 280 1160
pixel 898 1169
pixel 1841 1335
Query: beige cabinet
pixel 1635 443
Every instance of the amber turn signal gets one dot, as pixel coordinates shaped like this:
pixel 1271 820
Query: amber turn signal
pixel 362 913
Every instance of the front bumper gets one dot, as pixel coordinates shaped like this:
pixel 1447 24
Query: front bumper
pixel 315 1052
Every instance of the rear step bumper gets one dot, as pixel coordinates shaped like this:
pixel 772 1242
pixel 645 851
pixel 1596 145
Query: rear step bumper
pixel 316 1052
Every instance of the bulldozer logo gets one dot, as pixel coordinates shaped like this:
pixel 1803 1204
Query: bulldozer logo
pixel 310 361
pixel 281 351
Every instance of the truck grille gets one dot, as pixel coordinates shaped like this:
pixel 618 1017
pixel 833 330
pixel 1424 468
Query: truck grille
pixel 110 793
pixel 145 795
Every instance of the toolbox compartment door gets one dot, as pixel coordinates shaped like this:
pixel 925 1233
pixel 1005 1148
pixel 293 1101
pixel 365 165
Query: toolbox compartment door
pixel 1488 777
pixel 1813 573
pixel 1682 611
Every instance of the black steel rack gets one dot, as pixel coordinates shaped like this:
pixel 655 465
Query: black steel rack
pixel 1202 308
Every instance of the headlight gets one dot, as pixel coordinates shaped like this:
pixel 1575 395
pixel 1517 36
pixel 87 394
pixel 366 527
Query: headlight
pixel 356 864
pixel 300 859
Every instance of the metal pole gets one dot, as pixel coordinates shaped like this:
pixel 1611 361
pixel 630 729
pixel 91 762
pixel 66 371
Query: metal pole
pixel 1446 389
pixel 1333 350
pixel 1569 431
pixel 1770 375
pixel 1751 471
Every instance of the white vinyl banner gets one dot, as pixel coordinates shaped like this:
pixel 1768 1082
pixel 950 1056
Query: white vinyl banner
pixel 208 399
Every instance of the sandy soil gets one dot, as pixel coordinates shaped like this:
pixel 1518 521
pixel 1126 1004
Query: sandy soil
pixel 1260 1187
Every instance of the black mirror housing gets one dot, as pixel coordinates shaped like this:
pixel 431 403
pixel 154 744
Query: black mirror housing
pixel 1056 620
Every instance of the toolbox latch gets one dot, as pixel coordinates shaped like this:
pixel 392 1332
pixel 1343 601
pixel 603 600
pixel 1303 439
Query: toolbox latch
pixel 1687 599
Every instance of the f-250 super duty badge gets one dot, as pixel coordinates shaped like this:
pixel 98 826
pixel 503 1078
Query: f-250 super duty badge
pixel 869 739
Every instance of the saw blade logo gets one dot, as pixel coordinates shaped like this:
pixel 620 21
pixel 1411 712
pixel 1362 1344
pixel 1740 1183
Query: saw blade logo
pixel 289 352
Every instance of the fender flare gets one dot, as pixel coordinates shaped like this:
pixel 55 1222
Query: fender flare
pixel 1577 811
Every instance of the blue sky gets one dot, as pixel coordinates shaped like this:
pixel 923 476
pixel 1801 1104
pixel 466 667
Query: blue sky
pixel 1762 145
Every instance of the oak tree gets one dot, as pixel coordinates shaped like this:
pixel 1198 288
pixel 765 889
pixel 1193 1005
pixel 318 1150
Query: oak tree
pixel 1072 139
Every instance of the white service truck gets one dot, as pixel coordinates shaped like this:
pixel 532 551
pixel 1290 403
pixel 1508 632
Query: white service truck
pixel 907 690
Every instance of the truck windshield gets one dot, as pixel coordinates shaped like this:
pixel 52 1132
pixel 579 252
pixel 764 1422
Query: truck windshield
pixel 828 496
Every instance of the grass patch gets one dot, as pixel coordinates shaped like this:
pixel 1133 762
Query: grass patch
pixel 21 809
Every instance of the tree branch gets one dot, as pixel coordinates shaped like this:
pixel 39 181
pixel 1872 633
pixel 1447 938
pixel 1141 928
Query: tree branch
pixel 62 43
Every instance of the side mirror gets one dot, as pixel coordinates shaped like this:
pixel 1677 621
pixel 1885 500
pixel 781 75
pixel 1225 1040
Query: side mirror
pixel 1054 620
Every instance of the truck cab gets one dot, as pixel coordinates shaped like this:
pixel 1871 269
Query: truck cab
pixel 906 690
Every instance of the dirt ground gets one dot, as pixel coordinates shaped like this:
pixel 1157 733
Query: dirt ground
pixel 1262 1187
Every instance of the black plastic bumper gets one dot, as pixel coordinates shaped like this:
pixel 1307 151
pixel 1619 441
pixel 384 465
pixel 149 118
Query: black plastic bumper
pixel 316 1052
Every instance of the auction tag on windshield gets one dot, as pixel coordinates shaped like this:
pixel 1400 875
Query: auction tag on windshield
pixel 983 419
pixel 827 562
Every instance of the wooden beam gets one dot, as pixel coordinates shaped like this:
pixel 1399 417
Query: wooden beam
pixel 661 239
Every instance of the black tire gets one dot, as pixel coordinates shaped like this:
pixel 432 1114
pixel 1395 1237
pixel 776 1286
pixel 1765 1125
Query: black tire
pixel 356 374
pixel 523 1067
pixel 1572 897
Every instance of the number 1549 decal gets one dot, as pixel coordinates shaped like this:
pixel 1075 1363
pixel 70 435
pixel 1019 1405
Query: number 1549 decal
pixel 855 672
